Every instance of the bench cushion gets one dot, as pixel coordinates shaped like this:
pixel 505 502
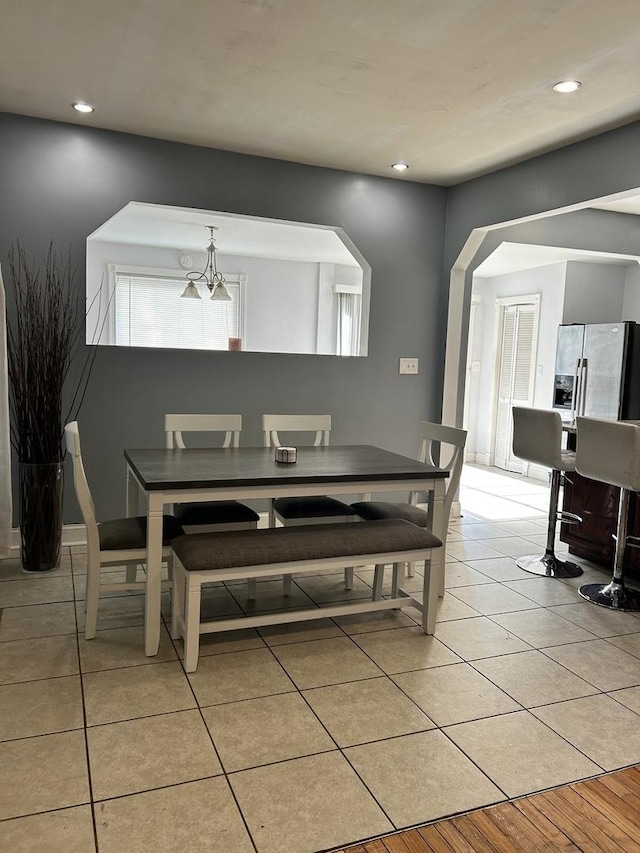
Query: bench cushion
pixel 215 512
pixel 239 548
pixel 123 534
pixel 373 510
pixel 311 507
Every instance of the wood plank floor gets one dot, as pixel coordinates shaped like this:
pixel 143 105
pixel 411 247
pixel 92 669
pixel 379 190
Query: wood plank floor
pixel 600 815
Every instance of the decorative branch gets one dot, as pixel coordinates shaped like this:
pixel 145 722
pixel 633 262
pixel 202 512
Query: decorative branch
pixel 43 340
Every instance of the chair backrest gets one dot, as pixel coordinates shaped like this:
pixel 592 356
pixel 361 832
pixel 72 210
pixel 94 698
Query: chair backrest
pixel 451 442
pixel 537 436
pixel 175 425
pixel 272 424
pixel 72 439
pixel 609 451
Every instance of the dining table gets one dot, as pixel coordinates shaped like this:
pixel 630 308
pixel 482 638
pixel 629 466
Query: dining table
pixel 172 476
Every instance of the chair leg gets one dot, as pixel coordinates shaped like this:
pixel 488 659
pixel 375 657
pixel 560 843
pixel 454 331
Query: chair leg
pixel 192 624
pixel 397 578
pixel 378 578
pixel 252 587
pixel 177 602
pixel 548 565
pixel 92 595
pixel 131 573
pixel 348 578
pixel 411 570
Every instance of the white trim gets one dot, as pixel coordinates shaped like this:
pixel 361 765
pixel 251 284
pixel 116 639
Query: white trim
pixel 454 345
pixel 72 534
pixel 501 303
pixel 5 437
pixel 347 288
pixel 526 299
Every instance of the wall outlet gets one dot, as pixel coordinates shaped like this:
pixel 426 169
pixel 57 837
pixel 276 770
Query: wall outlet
pixel 408 365
pixel 475 366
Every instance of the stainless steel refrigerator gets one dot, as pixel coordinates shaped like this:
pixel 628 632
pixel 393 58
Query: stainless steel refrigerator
pixel 598 371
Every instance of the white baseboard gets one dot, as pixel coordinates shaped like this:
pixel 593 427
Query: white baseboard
pixel 538 472
pixel 477 457
pixel 72 534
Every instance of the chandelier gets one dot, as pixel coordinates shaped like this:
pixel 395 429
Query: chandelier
pixel 209 276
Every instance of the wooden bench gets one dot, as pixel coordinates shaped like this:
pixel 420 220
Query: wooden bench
pixel 209 557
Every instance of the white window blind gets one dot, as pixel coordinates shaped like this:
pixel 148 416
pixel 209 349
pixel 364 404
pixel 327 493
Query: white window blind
pixel 148 312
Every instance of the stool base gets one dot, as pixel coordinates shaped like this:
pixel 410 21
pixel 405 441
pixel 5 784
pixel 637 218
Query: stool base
pixel 614 595
pixel 549 566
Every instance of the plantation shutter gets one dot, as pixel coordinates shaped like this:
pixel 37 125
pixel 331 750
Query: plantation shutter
pixel 348 339
pixel 515 377
pixel 150 313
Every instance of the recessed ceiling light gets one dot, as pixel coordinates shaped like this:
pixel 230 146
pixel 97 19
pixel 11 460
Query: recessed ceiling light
pixel 399 167
pixel 566 86
pixel 81 107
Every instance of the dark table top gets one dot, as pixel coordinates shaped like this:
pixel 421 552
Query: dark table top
pixel 252 466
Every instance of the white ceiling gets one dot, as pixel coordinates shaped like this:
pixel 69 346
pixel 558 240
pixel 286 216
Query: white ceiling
pixel 456 88
pixel 513 257
pixel 184 229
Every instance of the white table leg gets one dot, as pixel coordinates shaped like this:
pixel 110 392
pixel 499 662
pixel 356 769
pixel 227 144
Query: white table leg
pixel 438 522
pixel 131 509
pixel 132 495
pixel 153 585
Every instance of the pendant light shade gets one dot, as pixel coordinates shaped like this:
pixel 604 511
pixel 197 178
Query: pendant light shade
pixel 220 293
pixel 209 276
pixel 190 292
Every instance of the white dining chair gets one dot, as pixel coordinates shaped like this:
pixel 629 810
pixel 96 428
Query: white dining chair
pixel 119 542
pixel 211 516
pixel 451 442
pixel 304 510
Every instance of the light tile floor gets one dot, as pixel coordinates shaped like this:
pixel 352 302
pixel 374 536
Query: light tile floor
pixel 305 738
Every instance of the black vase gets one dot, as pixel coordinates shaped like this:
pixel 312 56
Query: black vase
pixel 40 515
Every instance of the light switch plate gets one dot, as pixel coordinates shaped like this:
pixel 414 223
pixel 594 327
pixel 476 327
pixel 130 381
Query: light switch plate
pixel 408 365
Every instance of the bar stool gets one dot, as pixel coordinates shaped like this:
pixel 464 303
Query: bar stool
pixel 537 438
pixel 609 451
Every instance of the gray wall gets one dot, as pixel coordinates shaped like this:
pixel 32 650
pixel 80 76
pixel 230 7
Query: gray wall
pixel 62 181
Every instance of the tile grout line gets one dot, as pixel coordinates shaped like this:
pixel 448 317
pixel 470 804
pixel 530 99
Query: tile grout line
pixel 385 675
pixel 215 750
pixel 84 717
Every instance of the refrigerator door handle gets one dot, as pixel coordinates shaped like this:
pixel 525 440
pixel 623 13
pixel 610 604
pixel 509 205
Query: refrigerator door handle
pixel 575 392
pixel 584 377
